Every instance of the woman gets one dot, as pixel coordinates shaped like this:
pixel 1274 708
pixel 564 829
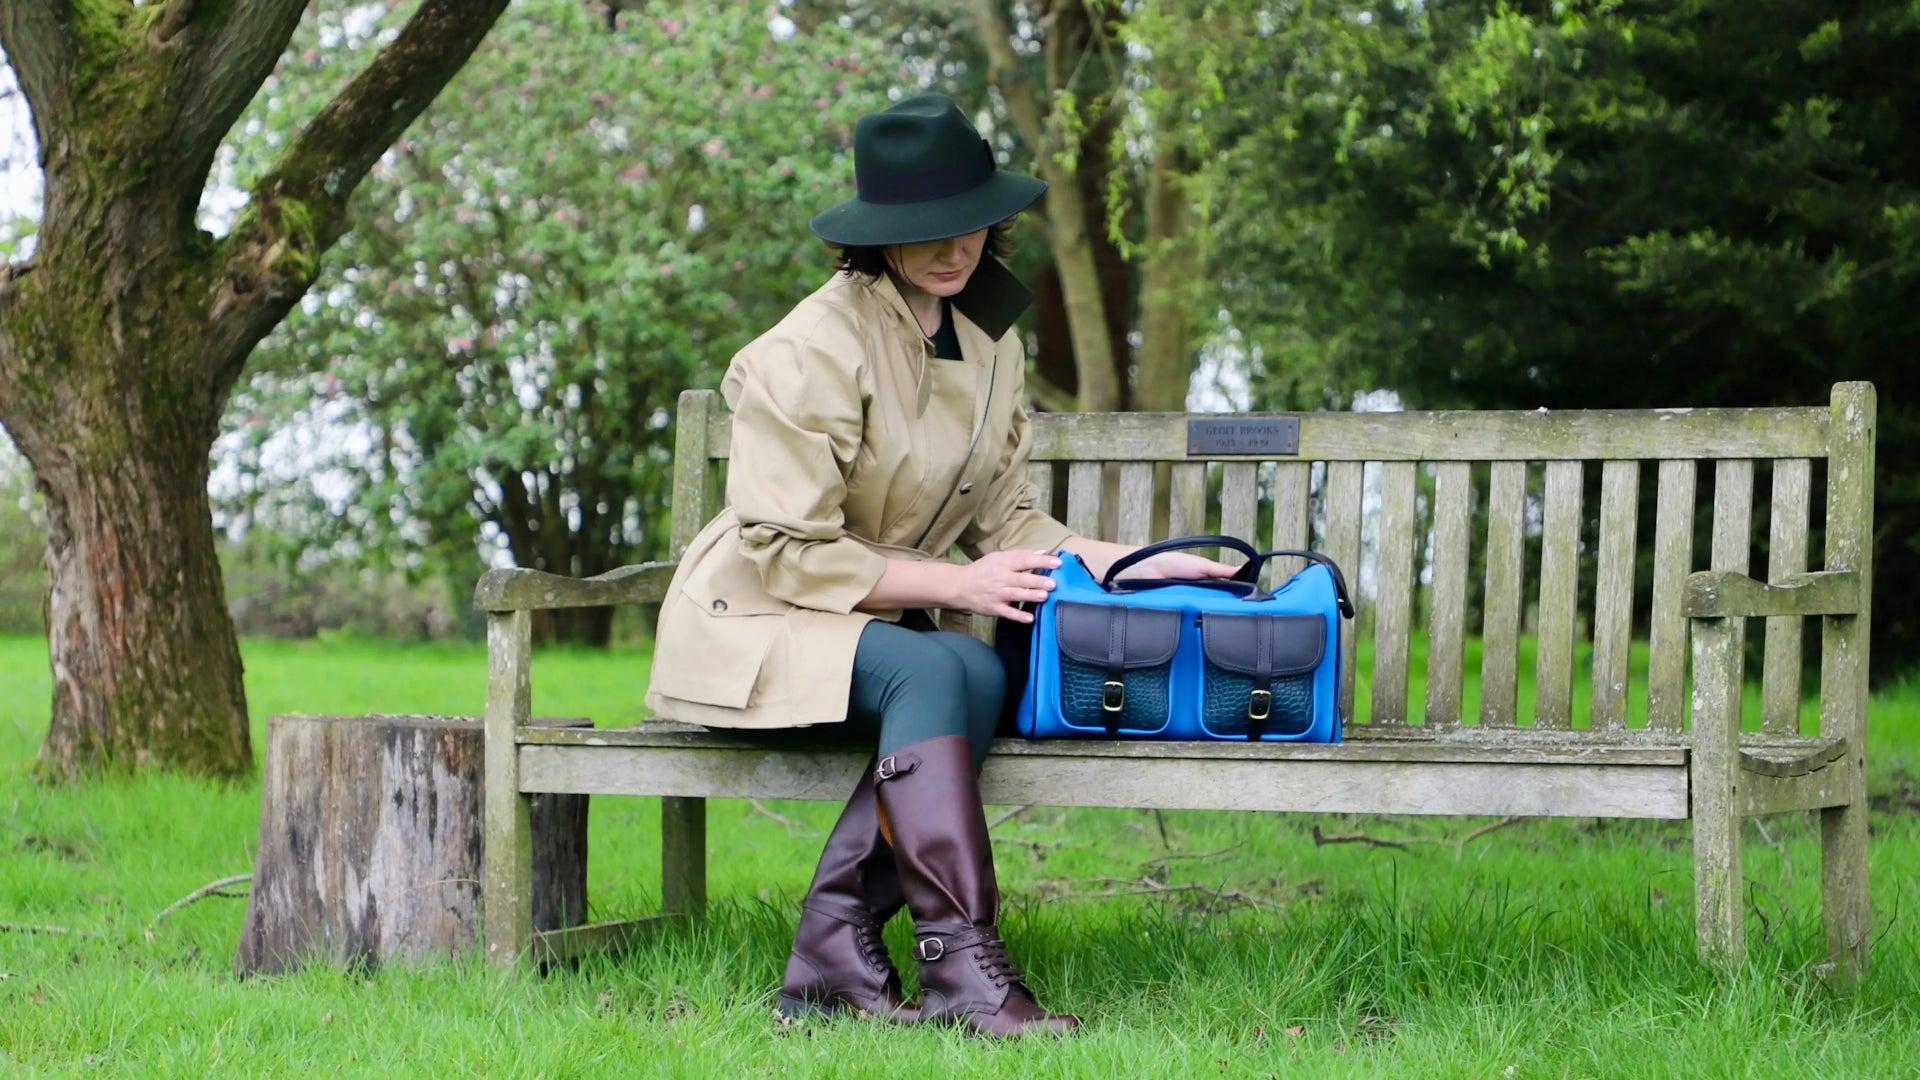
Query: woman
pixel 877 426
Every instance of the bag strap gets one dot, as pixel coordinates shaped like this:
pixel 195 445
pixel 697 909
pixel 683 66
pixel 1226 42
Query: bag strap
pixel 1339 579
pixel 1113 693
pixel 1260 701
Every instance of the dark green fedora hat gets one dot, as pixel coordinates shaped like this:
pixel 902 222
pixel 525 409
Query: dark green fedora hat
pixel 922 172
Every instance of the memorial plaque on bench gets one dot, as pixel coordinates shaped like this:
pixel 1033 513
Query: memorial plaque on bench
pixel 1266 436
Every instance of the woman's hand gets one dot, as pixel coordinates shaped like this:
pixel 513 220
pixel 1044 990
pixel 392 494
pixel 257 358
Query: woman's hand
pixel 994 583
pixel 1181 565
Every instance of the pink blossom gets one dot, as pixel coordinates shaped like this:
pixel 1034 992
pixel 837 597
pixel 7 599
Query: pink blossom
pixel 310 55
pixel 460 344
pixel 739 264
pixel 786 170
pixel 635 173
pixel 463 215
pixel 666 269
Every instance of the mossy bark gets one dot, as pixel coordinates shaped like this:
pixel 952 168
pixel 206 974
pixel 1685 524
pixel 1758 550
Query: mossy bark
pixel 123 337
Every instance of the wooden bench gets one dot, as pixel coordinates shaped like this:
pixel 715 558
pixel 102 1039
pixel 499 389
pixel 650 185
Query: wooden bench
pixel 1420 488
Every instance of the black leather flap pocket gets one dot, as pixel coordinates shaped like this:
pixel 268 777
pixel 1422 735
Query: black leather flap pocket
pixel 1264 646
pixel 1111 635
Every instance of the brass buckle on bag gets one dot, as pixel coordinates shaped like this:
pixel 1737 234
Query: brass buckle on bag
pixel 1113 696
pixel 1260 705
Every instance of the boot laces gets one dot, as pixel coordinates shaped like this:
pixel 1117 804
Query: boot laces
pixel 992 960
pixel 872 946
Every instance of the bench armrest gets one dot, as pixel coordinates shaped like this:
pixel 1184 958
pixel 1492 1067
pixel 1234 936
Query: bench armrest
pixel 533 590
pixel 1719 594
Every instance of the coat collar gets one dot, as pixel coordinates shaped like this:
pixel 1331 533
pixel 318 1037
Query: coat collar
pixel 993 299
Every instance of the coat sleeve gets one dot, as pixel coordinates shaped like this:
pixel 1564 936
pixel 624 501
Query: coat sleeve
pixel 799 404
pixel 1010 516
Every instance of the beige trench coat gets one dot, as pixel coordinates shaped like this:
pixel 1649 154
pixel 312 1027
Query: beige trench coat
pixel 832 473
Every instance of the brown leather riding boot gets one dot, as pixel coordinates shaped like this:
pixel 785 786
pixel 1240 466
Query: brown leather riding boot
pixel 839 960
pixel 931 801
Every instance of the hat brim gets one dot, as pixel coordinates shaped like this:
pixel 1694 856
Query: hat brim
pixel 864 224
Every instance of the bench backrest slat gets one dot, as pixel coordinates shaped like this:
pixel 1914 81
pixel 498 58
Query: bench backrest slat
pixel 1086 489
pixel 1393 599
pixel 1613 593
pixel 1239 502
pixel 1786 554
pixel 1447 614
pixel 1136 503
pixel 1559 595
pixel 1342 544
pixel 1292 505
pixel 1187 502
pixel 1040 475
pixel 1668 640
pixel 1430 514
pixel 1506 563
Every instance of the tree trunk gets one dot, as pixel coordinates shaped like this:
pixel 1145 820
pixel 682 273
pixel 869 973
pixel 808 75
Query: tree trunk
pixel 1172 267
pixel 1067 210
pixel 122 337
pixel 371 843
pixel 147 661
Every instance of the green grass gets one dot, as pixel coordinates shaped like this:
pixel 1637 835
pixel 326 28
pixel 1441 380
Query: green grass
pixel 1547 948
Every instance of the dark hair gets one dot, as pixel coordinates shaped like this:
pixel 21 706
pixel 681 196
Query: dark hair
pixel 872 261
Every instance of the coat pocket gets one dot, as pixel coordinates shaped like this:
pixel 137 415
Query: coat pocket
pixel 1259 672
pixel 712 647
pixel 1116 665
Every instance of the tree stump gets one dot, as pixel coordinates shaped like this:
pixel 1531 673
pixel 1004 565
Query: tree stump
pixel 371 842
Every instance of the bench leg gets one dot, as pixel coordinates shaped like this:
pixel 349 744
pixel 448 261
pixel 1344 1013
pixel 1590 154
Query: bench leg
pixel 1843 888
pixel 507 914
pixel 683 856
pixel 1719 903
pixel 1714 768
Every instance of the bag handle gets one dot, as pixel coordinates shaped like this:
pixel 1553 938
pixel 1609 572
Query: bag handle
pixel 1339 579
pixel 1249 572
pixel 1181 543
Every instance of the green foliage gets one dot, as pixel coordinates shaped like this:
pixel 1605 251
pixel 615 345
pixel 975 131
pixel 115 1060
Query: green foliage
pixel 1572 205
pixel 584 225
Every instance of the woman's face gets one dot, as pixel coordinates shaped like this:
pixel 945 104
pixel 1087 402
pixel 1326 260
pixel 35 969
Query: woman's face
pixel 939 267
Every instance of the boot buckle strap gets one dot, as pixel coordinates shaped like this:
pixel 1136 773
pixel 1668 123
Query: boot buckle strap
pixel 927 950
pixel 889 767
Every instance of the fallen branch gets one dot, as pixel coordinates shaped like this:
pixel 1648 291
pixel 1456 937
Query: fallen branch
pixel 1150 887
pixel 1766 925
pixel 1006 817
pixel 1171 855
pixel 28 928
pixel 213 888
pixel 1460 850
pixel 1321 839
pixel 787 821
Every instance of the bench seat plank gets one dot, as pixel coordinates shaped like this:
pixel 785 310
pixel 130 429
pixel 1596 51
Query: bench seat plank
pixel 1063 775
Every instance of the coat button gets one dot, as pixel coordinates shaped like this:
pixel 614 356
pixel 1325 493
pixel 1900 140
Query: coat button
pixel 966 489
pixel 719 605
